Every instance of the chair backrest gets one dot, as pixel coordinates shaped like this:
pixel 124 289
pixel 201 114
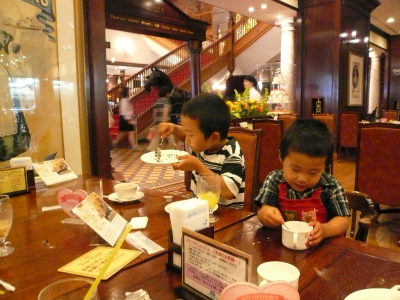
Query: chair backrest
pixel 269 146
pixel 362 208
pixel 249 141
pixel 329 120
pixel 389 114
pixel 378 162
pixel 288 119
pixel 348 129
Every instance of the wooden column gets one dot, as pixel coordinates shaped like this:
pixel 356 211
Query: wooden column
pixel 194 48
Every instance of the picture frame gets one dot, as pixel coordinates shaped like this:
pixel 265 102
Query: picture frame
pixel 13 181
pixel 355 82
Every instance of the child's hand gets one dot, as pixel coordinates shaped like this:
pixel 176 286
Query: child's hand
pixel 187 163
pixel 317 234
pixel 270 216
pixel 165 129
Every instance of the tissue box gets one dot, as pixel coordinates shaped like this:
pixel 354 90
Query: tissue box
pixel 192 214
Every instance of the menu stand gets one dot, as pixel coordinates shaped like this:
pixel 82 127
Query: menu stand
pixel 177 249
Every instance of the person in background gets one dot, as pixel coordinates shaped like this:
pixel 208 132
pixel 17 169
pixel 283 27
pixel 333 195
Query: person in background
pixel 161 114
pixel 302 190
pixel 126 120
pixel 205 125
pixel 249 82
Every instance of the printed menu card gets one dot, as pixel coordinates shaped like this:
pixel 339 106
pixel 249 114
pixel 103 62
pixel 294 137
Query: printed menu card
pixel 54 171
pixel 101 217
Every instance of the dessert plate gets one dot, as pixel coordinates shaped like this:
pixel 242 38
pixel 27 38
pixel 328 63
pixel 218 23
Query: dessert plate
pixel 113 197
pixel 167 157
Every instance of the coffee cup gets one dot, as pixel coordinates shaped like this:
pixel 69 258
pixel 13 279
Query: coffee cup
pixel 295 235
pixel 278 271
pixel 126 190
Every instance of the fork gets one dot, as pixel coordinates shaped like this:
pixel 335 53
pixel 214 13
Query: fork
pixel 158 150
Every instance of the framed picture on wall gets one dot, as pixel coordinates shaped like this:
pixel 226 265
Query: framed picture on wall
pixel 355 80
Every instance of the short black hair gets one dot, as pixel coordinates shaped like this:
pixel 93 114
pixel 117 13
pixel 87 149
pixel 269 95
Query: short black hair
pixel 163 91
pixel 211 112
pixel 252 79
pixel 307 136
pixel 124 92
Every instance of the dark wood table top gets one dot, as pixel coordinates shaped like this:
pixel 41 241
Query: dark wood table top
pixel 330 271
pixel 43 243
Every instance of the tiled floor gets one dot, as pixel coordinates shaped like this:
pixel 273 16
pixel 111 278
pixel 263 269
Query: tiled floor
pixel 385 230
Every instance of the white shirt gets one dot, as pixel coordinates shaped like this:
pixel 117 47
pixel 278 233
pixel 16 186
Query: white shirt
pixel 254 94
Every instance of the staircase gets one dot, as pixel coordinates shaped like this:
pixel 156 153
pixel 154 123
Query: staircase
pixel 176 65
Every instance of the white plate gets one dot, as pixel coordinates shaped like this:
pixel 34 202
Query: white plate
pixel 167 157
pixel 166 208
pixel 113 197
pixel 374 294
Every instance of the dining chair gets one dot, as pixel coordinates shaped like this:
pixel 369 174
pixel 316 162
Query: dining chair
pixel 269 146
pixel 249 141
pixel 378 165
pixel 347 131
pixel 329 120
pixel 389 114
pixel 362 208
pixel 287 119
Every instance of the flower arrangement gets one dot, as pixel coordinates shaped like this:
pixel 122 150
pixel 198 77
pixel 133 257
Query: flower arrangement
pixel 245 107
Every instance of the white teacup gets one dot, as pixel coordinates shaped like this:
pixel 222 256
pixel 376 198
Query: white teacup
pixel 374 294
pixel 295 236
pixel 125 190
pixel 278 271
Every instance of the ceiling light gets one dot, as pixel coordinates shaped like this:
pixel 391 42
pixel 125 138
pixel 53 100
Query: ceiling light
pixel 251 9
pixel 263 6
pixel 279 17
pixel 390 20
pixel 354 33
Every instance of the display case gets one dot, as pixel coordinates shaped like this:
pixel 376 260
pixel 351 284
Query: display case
pixel 271 78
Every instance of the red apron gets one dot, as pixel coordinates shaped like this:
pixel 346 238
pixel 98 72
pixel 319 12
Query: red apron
pixel 302 209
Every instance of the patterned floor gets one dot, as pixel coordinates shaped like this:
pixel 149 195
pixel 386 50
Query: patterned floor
pixel 127 162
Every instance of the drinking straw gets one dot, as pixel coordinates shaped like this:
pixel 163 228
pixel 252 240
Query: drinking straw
pixel 108 262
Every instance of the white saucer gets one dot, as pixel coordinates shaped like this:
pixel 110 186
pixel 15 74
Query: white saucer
pixel 166 208
pixel 113 197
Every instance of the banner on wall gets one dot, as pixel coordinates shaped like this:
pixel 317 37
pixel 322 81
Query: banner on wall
pixel 30 115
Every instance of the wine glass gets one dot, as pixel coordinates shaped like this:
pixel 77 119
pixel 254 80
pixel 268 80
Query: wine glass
pixel 208 188
pixel 6 218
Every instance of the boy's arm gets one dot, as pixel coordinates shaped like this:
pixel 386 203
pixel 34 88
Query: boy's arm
pixel 165 129
pixel 335 226
pixel 270 216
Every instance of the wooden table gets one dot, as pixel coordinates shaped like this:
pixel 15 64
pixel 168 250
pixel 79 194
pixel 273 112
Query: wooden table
pixel 43 243
pixel 330 271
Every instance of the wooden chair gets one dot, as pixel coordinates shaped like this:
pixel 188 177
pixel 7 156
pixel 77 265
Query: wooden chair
pixel 329 120
pixel 269 147
pixel 378 164
pixel 347 131
pixel 389 114
pixel 361 207
pixel 287 119
pixel 249 141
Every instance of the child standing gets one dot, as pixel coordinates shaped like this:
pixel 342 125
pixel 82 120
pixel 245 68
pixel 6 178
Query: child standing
pixel 302 190
pixel 205 124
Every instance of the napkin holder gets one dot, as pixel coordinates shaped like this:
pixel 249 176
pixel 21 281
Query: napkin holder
pixel 176 249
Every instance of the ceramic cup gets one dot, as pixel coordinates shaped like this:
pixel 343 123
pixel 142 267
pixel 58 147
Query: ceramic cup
pixel 126 190
pixel 278 271
pixel 69 288
pixel 295 235
pixel 374 294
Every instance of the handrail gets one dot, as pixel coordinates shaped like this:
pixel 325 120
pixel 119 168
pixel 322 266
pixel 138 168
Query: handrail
pixel 176 65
